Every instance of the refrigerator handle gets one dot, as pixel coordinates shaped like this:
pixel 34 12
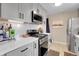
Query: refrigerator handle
pixel 67 27
pixel 67 31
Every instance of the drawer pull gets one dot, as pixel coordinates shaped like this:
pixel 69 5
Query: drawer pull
pixel 75 43
pixel 24 50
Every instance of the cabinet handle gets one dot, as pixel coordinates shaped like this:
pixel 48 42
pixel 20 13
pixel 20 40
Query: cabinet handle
pixel 74 37
pixel 75 43
pixel 34 45
pixel 19 15
pixel 22 16
pixel 24 50
pixel 51 40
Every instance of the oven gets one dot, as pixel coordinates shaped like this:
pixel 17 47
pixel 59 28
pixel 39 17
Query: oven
pixel 43 46
pixel 42 42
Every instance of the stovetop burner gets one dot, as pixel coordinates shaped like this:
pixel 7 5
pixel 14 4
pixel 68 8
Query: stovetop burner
pixel 40 36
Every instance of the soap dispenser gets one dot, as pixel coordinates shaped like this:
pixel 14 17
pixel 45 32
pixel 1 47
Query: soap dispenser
pixel 11 32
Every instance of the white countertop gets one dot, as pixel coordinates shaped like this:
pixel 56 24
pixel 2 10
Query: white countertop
pixel 47 33
pixel 77 36
pixel 8 46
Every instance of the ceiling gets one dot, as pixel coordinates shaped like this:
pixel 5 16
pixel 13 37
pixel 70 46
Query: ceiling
pixel 52 9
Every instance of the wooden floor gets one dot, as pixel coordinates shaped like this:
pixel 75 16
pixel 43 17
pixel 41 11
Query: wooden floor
pixel 57 49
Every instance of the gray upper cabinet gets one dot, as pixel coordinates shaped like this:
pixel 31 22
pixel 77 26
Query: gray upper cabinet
pixel 9 10
pixel 26 9
pixel 20 11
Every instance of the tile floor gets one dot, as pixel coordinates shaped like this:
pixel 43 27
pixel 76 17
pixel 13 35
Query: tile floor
pixel 60 49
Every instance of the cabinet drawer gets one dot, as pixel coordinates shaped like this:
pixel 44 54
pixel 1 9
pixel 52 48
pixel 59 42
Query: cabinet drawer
pixel 77 39
pixel 76 43
pixel 77 50
pixel 22 51
pixel 77 47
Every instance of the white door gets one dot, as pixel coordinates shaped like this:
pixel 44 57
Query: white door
pixel 26 9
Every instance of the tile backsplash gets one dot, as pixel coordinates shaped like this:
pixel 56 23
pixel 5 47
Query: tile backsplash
pixel 22 28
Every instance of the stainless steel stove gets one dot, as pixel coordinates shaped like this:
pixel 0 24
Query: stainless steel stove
pixel 43 43
pixel 40 36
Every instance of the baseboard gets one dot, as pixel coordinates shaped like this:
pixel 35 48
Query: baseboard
pixel 64 43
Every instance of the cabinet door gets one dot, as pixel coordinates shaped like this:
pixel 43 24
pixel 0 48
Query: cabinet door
pixel 22 51
pixel 35 48
pixel 9 10
pixel 26 9
pixel 20 12
pixel 76 46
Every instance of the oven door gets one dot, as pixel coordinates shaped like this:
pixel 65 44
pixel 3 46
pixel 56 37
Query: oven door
pixel 44 48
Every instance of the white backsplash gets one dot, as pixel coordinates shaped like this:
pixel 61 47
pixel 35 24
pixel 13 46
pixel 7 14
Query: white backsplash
pixel 22 28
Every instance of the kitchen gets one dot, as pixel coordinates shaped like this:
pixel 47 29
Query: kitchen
pixel 22 29
pixel 31 29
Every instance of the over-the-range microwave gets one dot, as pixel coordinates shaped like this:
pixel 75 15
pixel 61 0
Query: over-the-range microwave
pixel 36 17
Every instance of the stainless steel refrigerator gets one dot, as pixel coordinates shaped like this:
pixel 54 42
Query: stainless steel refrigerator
pixel 72 28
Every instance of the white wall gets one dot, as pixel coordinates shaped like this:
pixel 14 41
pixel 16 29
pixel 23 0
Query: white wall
pixel 59 34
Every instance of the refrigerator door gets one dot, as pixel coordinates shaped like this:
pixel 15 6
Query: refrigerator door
pixel 72 28
pixel 68 33
pixel 75 25
pixel 70 40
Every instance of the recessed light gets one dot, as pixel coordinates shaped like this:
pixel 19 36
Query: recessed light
pixel 57 4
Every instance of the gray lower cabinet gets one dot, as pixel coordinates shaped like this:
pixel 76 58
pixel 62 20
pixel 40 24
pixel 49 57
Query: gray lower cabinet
pixel 22 51
pixel 27 50
pixel 76 46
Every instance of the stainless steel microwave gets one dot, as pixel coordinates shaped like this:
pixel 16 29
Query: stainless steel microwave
pixel 36 17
